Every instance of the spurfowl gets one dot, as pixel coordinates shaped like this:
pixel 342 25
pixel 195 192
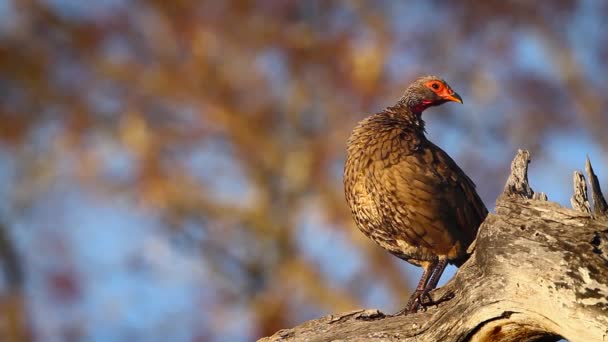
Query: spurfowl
pixel 407 194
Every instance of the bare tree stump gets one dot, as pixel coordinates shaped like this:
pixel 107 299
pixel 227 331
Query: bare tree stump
pixel 538 272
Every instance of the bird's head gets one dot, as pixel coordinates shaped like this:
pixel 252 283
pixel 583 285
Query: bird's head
pixel 428 91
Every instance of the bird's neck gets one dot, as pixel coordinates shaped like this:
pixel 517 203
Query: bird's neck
pixel 414 104
pixel 408 114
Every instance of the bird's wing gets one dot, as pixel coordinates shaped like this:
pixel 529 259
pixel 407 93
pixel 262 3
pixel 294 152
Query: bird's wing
pixel 430 200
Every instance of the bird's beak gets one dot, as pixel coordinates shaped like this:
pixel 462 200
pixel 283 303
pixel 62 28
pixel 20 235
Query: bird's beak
pixel 453 97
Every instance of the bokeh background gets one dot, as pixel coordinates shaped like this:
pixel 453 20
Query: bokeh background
pixel 172 170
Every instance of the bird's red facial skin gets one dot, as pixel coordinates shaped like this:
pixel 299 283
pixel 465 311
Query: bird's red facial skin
pixel 436 86
pixel 442 90
pixel 421 107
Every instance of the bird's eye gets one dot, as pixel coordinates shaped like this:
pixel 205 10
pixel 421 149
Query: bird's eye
pixel 435 86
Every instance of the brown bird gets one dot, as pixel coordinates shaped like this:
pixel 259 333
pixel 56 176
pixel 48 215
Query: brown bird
pixel 407 194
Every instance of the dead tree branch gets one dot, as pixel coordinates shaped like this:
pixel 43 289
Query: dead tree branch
pixel 539 272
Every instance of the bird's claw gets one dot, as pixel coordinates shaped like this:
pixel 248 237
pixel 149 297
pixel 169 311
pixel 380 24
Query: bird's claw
pixel 413 304
pixel 447 296
pixel 421 301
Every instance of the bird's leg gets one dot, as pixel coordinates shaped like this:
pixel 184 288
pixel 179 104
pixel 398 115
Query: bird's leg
pixel 432 283
pixel 415 298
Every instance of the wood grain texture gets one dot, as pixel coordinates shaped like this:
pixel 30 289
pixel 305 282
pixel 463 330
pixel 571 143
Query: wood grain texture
pixel 600 207
pixel 579 199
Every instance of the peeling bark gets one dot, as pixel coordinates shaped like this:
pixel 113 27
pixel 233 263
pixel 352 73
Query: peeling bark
pixel 538 272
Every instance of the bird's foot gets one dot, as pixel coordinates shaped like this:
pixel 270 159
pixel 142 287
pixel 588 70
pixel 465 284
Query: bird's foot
pixel 427 300
pixel 413 304
pixel 421 300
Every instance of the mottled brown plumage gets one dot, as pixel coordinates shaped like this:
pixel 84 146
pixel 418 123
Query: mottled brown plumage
pixel 407 194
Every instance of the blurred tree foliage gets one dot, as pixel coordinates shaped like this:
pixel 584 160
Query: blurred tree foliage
pixel 229 119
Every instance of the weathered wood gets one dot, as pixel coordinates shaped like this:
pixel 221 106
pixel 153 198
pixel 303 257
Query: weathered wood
pixel 580 200
pixel 539 272
pixel 517 183
pixel 599 202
